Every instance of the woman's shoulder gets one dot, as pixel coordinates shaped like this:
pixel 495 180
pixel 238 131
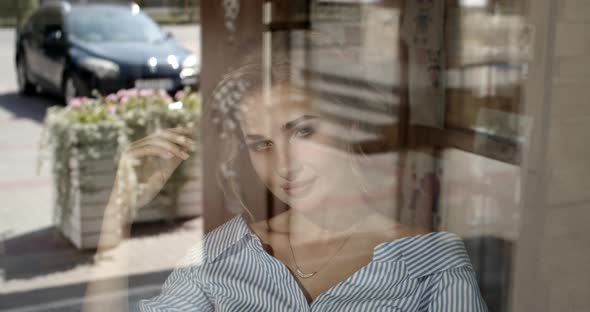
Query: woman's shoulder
pixel 427 253
pixel 235 226
pixel 224 237
pixel 382 230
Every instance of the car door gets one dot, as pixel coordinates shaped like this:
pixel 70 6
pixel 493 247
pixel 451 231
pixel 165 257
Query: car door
pixel 32 44
pixel 52 56
pixel 24 38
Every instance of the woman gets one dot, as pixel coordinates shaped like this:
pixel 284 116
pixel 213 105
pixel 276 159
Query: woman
pixel 337 246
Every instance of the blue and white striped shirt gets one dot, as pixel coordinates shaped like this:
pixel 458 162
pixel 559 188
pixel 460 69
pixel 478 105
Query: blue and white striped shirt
pixel 231 271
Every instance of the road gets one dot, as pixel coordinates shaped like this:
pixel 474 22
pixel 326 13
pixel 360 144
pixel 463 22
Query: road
pixel 34 261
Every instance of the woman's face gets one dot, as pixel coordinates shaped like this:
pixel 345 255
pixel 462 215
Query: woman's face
pixel 293 150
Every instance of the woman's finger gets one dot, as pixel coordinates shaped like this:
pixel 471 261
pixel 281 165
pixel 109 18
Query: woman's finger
pixel 138 142
pixel 179 139
pixel 174 134
pixel 151 150
pixel 183 130
pixel 166 145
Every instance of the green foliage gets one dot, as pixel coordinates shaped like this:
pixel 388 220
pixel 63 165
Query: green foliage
pixel 25 8
pixel 8 21
pixel 8 8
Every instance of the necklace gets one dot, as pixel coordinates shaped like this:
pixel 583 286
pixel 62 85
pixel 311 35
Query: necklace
pixel 302 274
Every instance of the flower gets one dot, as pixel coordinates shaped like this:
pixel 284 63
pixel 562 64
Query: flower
pixel 127 92
pixel 78 102
pixel 179 95
pixel 111 109
pixel 112 97
pixel 75 102
pixel 146 92
pixel 132 92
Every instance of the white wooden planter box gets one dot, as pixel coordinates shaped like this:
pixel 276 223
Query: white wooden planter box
pixel 82 226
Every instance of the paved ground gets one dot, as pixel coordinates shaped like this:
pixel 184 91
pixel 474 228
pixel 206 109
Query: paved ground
pixel 39 269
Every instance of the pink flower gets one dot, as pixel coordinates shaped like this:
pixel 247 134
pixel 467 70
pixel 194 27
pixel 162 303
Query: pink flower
pixel 124 99
pixel 163 93
pixel 112 97
pixel 78 101
pixel 146 92
pixel 167 98
pixel 179 95
pixel 75 102
pixel 111 109
pixel 132 92
pixel 127 92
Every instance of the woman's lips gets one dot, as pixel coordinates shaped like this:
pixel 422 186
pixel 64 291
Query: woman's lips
pixel 297 188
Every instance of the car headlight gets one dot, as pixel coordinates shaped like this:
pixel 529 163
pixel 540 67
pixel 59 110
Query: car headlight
pixel 101 67
pixel 190 61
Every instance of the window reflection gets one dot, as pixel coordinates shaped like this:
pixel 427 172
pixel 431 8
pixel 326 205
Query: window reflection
pixel 350 155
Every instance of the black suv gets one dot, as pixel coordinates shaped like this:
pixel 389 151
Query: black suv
pixel 75 49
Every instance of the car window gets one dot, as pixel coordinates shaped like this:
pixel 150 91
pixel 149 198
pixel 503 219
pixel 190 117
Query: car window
pixel 37 21
pixel 111 24
pixel 47 20
pixel 27 27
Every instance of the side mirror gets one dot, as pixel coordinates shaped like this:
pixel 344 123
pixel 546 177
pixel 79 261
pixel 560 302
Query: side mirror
pixel 53 39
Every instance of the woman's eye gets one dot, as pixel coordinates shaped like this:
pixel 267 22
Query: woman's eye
pixel 260 146
pixel 304 132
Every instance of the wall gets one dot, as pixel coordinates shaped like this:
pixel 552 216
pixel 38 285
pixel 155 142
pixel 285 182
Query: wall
pixel 553 255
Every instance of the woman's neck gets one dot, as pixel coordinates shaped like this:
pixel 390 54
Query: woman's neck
pixel 304 228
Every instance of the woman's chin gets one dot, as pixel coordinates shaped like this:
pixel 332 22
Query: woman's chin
pixel 302 199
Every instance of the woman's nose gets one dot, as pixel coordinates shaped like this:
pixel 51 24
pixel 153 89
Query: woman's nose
pixel 290 171
pixel 287 166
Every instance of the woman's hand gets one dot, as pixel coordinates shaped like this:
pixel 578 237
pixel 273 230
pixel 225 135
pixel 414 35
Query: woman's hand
pixel 147 164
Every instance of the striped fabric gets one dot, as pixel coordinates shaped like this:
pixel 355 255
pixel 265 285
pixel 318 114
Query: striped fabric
pixel 231 271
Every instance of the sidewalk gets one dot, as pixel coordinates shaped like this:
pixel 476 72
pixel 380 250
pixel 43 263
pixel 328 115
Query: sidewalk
pixel 57 274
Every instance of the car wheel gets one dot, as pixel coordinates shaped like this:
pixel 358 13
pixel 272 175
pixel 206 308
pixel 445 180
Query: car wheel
pixel 69 89
pixel 25 86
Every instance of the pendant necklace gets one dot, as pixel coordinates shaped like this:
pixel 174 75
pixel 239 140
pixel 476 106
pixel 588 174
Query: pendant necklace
pixel 304 275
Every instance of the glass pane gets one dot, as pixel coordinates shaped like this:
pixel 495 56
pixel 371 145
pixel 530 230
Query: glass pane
pixel 308 155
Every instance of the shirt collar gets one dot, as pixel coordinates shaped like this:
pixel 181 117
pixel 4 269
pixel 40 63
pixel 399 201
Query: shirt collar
pixel 425 254
pixel 422 254
pixel 224 237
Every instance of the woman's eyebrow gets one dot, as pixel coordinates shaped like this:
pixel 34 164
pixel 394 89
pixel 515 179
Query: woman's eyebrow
pixel 291 124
